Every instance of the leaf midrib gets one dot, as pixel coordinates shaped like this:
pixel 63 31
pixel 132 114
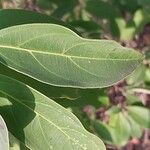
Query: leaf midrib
pixel 67 56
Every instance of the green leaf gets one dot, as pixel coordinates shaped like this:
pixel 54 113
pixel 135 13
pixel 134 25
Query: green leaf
pixel 15 144
pixel 67 97
pixel 39 122
pixel 113 110
pixel 87 28
pixel 141 115
pixel 144 3
pixel 25 17
pixel 64 7
pixel 135 128
pixel 103 131
pixel 102 9
pixel 119 128
pixel 132 98
pixel 147 75
pixel 127 5
pixel 134 26
pixel 4 141
pixel 56 55
pixel 137 76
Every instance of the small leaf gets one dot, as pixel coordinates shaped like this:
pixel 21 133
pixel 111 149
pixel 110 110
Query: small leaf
pixel 135 128
pixel 113 110
pixel 147 75
pixel 119 128
pixel 56 55
pixel 132 98
pixel 103 131
pixel 39 122
pixel 4 141
pixel 137 76
pixel 141 115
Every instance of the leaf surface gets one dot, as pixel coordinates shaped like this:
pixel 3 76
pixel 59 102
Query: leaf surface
pixel 119 128
pixel 39 122
pixel 25 17
pixel 56 55
pixel 141 115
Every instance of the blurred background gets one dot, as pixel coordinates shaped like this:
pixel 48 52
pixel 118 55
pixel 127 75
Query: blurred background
pixel 120 114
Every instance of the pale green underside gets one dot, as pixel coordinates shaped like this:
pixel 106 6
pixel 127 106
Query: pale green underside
pixel 56 55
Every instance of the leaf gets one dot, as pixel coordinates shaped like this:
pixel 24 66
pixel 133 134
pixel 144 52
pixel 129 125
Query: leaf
pixel 132 98
pixel 44 4
pixel 103 131
pixel 134 26
pixel 119 128
pixel 135 128
pixel 137 76
pixel 117 131
pixel 64 7
pixel 67 97
pixel 39 122
pixel 87 28
pixel 145 3
pixel 147 75
pixel 56 55
pixel 15 144
pixel 25 17
pixel 105 10
pixel 113 110
pixel 127 5
pixel 141 115
pixel 4 141
pixel 102 9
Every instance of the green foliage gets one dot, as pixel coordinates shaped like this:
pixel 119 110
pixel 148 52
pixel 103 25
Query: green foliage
pixel 122 126
pixel 140 115
pixel 54 73
pixel 75 56
pixel 25 17
pixel 37 121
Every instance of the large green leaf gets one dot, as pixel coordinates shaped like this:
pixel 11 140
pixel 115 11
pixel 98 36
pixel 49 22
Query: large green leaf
pixel 4 142
pixel 56 55
pixel 39 122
